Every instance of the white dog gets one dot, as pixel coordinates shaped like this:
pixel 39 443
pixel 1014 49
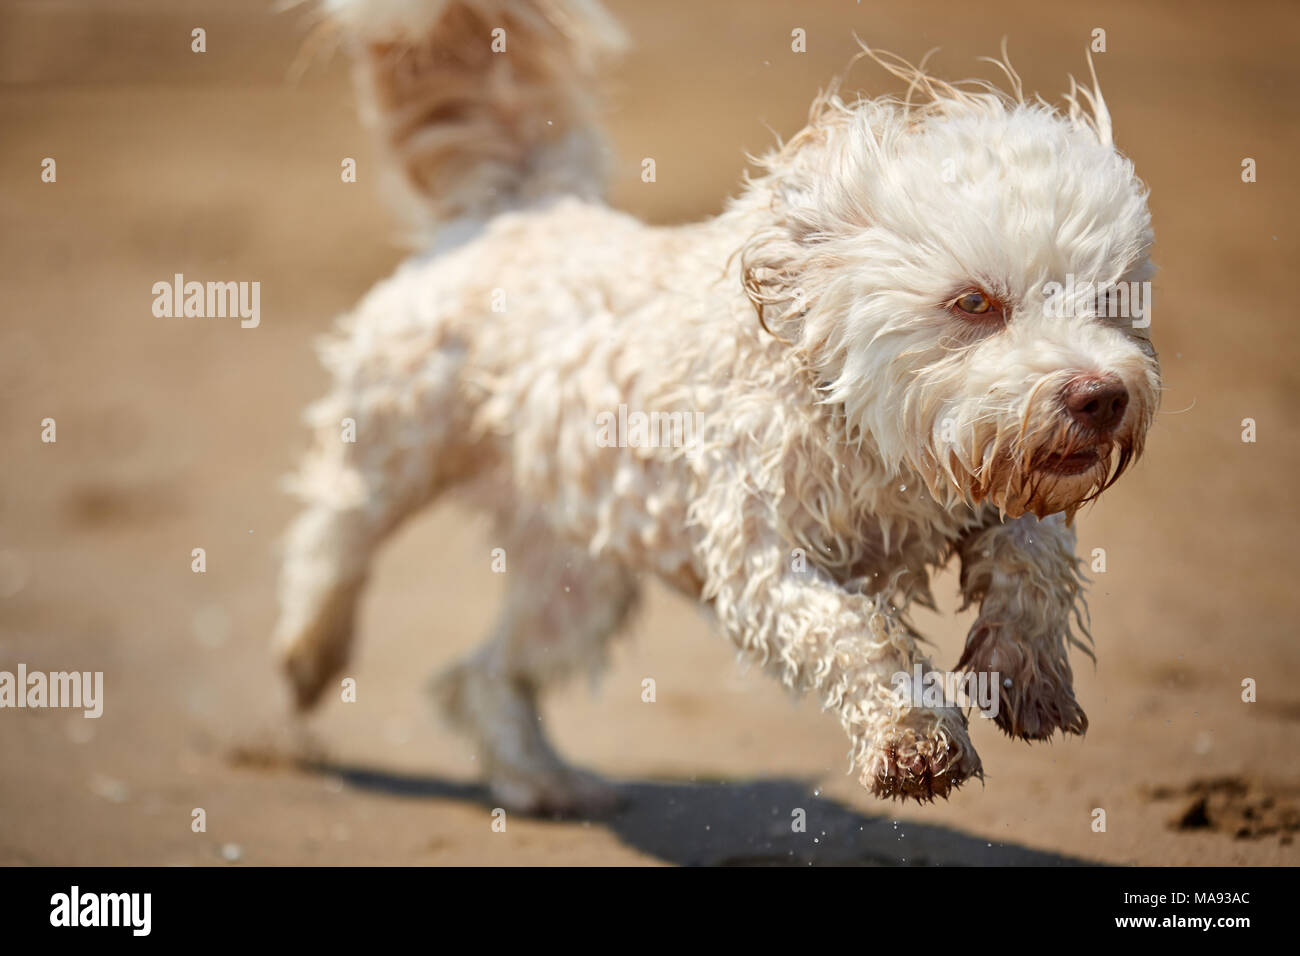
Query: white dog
pixel 901 396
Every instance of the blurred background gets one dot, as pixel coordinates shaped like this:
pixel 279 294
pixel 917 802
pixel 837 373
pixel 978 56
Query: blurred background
pixel 173 434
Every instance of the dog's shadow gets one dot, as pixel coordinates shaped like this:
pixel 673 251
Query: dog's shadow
pixel 748 823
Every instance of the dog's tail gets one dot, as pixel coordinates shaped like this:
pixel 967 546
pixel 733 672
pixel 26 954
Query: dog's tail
pixel 481 105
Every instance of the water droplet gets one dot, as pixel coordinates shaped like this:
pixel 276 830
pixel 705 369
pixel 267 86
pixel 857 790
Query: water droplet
pixel 114 791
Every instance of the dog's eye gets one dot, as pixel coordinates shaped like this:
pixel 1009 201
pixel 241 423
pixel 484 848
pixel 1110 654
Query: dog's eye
pixel 974 303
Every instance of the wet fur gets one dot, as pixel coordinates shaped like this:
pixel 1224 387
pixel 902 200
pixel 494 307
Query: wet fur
pixel 856 434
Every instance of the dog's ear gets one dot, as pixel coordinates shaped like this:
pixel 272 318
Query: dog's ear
pixel 776 260
pixel 769 271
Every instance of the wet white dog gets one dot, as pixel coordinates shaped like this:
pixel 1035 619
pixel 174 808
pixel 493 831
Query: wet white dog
pixel 819 397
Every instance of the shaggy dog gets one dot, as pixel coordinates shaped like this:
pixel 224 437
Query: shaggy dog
pixel 859 348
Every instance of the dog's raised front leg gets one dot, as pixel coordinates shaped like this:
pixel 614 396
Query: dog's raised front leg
pixel 846 648
pixel 1025 577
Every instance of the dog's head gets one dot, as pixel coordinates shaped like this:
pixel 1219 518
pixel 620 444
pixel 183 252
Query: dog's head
pixel 969 279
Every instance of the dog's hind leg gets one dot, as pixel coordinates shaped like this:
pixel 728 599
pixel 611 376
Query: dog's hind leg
pixel 561 607
pixel 390 435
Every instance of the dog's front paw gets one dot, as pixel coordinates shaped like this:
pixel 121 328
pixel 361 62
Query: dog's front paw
pixel 1035 698
pixel 927 755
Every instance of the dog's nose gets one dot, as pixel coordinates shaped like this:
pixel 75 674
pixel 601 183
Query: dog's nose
pixel 1097 403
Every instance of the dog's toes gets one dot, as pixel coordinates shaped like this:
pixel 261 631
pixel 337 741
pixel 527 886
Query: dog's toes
pixel 1034 710
pixel 309 665
pixel 1035 698
pixel 313 640
pixel 906 764
pixel 566 794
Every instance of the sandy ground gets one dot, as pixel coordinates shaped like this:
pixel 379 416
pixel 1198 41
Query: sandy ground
pixel 172 435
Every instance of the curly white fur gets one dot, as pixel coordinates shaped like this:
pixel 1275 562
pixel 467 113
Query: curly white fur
pixel 854 435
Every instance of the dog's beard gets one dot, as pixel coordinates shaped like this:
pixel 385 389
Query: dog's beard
pixel 1060 477
pixel 1041 466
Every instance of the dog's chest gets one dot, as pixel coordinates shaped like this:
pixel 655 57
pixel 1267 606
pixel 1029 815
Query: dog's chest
pixel 869 533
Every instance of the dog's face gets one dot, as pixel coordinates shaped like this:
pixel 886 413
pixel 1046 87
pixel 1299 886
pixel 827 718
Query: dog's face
pixel 973 287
